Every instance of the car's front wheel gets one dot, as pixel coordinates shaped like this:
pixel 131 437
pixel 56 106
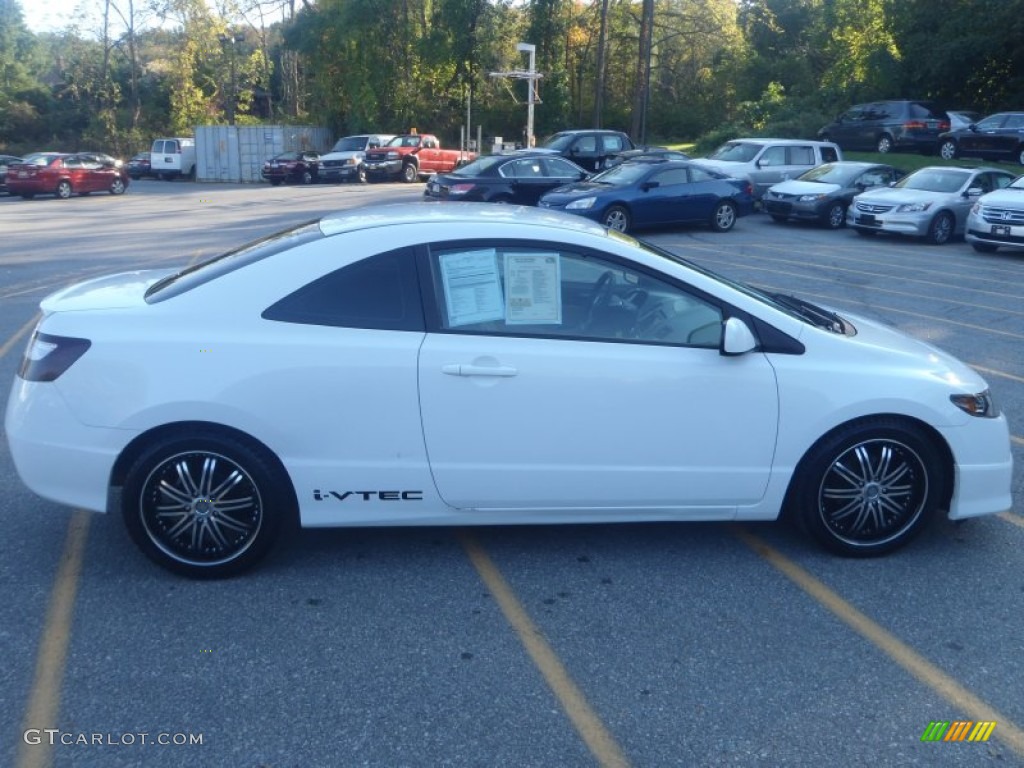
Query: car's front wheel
pixel 117 187
pixel 617 218
pixel 204 506
pixel 867 488
pixel 63 190
pixel 724 217
pixel 410 173
pixel 941 229
pixel 835 216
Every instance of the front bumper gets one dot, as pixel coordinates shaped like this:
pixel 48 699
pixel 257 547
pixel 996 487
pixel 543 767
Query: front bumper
pixel 984 467
pixel 792 209
pixel 915 224
pixel 339 172
pixel 383 167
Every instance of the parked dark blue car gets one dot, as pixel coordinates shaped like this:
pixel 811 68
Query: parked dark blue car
pixel 654 193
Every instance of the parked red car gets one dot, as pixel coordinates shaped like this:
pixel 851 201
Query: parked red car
pixel 62 175
pixel 298 167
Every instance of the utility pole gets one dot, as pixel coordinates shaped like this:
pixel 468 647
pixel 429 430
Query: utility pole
pixel 225 41
pixel 531 76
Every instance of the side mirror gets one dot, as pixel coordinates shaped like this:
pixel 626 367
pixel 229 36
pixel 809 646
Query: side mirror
pixel 974 192
pixel 737 339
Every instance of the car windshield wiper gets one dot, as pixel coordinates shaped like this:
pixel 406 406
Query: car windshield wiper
pixel 812 313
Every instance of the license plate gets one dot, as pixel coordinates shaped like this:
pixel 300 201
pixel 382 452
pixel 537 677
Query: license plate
pixel 22 174
pixel 1000 229
pixel 866 218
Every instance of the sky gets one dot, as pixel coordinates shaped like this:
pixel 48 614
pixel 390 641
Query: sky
pixel 52 15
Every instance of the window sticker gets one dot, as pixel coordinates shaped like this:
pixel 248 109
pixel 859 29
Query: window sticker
pixel 533 289
pixel 472 287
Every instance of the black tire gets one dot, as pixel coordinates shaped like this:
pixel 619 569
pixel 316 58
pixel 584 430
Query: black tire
pixel 834 217
pixel 361 175
pixel 410 173
pixel 63 190
pixel 864 232
pixel 869 487
pixel 275 182
pixel 117 186
pixel 1020 155
pixel 778 218
pixel 941 230
pixel 205 505
pixel 307 177
pixel 617 218
pixel 27 195
pixel 724 217
pixel 884 144
pixel 984 247
pixel 502 200
pixel 948 150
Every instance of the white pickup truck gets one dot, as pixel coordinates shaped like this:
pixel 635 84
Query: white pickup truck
pixel 345 160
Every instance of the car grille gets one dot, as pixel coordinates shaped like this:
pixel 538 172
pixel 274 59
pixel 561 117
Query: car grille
pixel 995 215
pixel 874 208
pixel 778 206
pixel 332 163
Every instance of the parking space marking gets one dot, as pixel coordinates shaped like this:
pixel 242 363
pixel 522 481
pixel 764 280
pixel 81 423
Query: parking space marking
pixel 600 743
pixel 901 653
pixel 44 698
pixel 874 289
pixel 1011 517
pixel 18 334
pixel 995 372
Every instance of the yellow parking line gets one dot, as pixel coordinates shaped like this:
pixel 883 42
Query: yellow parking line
pixel 601 744
pixel 9 344
pixel 1017 440
pixel 1010 517
pixel 44 700
pixel 901 653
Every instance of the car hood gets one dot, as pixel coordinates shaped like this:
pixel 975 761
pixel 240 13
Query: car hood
pixel 795 187
pixel 899 196
pixel 920 355
pixel 120 291
pixel 1011 198
pixel 346 155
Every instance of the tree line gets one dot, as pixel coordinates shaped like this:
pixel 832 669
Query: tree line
pixel 663 70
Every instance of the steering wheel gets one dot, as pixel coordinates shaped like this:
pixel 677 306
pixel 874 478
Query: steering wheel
pixel 599 296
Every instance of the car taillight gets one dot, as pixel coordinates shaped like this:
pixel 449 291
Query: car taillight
pixel 914 125
pixel 460 189
pixel 944 125
pixel 48 356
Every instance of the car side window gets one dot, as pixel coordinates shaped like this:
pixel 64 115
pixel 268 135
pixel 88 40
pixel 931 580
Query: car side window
pixel 999 181
pixel 380 292
pixel 991 123
pixel 699 174
pixel 548 292
pixel 773 156
pixel 829 155
pixel 877 178
pixel 1014 122
pixel 671 177
pixel 801 155
pixel 852 115
pixel 587 144
pixel 525 169
pixel 559 168
pixel 612 144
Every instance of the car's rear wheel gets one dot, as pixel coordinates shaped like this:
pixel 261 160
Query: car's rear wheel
pixel 984 247
pixel 948 150
pixel 617 218
pixel 724 217
pixel 835 216
pixel 867 488
pixel 884 145
pixel 117 187
pixel 940 231
pixel 63 190
pixel 204 506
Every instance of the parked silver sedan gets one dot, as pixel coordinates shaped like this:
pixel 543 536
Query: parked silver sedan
pixel 931 203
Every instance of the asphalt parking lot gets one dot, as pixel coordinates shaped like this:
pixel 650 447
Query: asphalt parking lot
pixel 646 645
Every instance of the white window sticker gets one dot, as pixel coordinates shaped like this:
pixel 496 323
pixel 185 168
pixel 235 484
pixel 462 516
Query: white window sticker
pixel 472 287
pixel 533 289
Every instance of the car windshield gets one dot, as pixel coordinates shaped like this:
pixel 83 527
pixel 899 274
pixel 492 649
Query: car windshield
pixel 1017 183
pixel 736 152
pixel 480 165
pixel 559 142
pixel 287 156
pixel 935 180
pixel 833 174
pixel 350 144
pixel 620 175
pixel 205 271
pixel 40 158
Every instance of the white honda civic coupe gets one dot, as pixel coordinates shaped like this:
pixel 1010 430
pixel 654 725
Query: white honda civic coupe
pixel 426 364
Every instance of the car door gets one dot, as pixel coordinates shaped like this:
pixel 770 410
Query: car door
pixel 1008 137
pixel 980 141
pixel 558 379
pixel 666 196
pixel 585 151
pixel 845 131
pixel 771 167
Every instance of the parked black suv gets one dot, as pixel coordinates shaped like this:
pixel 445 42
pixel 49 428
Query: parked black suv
pixel 885 126
pixel 997 137
pixel 589 148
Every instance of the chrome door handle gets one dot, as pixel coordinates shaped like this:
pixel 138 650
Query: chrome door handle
pixel 456 369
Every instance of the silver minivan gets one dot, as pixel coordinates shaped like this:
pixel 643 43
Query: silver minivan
pixel 170 158
pixel 768 161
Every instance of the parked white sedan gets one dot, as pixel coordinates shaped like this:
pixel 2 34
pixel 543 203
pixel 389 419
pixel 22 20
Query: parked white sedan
pixel 427 364
pixel 931 203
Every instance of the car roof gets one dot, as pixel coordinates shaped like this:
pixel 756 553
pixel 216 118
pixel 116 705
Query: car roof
pixel 762 140
pixel 439 212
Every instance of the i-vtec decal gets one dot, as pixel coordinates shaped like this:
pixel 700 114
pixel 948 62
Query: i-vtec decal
pixel 368 495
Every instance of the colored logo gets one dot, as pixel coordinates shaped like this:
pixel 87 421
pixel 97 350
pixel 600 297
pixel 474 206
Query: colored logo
pixel 958 730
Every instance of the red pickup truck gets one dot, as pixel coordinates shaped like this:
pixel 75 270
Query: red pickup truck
pixel 411 156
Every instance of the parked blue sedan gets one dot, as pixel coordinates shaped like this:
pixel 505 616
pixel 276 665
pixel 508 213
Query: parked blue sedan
pixel 653 193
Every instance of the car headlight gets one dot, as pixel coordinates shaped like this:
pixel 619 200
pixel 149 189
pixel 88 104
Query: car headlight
pixel 976 209
pixel 809 198
pixel 981 405
pixel 913 207
pixel 352 161
pixel 584 203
